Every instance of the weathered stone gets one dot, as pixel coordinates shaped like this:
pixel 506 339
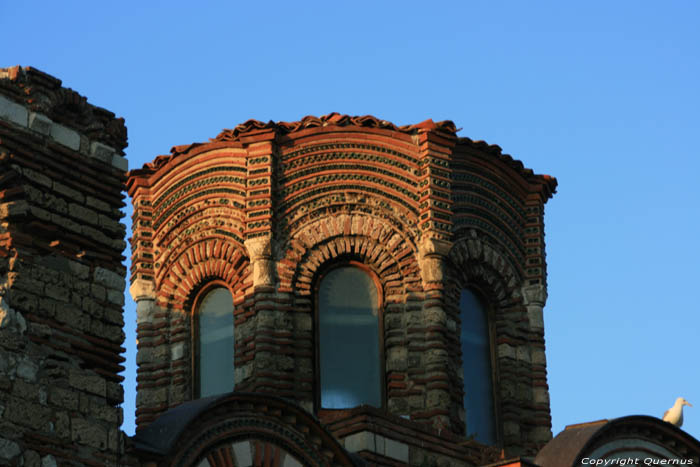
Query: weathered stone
pixel 89 433
pixel 10 319
pixel 13 112
pixel 8 449
pixel 97 204
pixel 84 381
pixel 109 279
pixel 177 351
pixel 27 414
pixel 82 213
pixel 65 190
pixel 57 292
pixel 260 253
pixel 63 398
pixel 13 208
pixel 48 461
pixel 66 223
pixel 27 369
pixel 116 297
pixel 101 152
pixel 65 136
pixel 120 162
pixel 32 459
pixel 62 425
pixel 437 398
pixel 37 177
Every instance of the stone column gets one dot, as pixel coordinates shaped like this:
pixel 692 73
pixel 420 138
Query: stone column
pixel 534 298
pixel 260 254
pixel 435 368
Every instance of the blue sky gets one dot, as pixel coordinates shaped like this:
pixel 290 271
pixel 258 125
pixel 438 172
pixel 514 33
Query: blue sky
pixel 605 96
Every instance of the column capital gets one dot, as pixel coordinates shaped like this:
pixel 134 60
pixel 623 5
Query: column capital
pixel 142 289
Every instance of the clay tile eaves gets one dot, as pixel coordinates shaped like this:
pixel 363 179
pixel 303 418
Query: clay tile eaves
pixel 496 151
pixel 335 119
pixel 253 127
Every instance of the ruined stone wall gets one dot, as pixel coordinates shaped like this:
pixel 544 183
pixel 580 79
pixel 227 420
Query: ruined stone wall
pixel 265 208
pixel 62 173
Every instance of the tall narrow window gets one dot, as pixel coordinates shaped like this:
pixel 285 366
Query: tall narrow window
pixel 478 373
pixel 349 356
pixel 215 328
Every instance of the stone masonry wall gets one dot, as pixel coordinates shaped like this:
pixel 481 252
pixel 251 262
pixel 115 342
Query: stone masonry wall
pixel 62 173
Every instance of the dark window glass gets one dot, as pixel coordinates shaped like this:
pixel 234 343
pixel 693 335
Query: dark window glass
pixel 349 339
pixel 216 343
pixel 478 376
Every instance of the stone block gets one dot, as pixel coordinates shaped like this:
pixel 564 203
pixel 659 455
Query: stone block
pixel 243 452
pixel 360 441
pixel 177 351
pixel 13 112
pixel 115 392
pixel 435 316
pixel 57 292
pixel 522 353
pixel 69 192
pixel 116 297
pixel 66 223
pixel 48 461
pixel 109 279
pixel 39 213
pixel 110 224
pixel 101 152
pixel 63 398
pixel 506 351
pixel 98 291
pixel 40 123
pixel 65 136
pixel 396 450
pixel 114 316
pixel 114 439
pixel 28 414
pixel 97 204
pixel 27 369
pixel 151 397
pixel 8 449
pixel 88 433
pixel 13 208
pixel 84 381
pixel 120 162
pixel 437 398
pixel 32 459
pixel 81 213
pixel 11 319
pixel 397 359
pixel 540 395
pixel 62 426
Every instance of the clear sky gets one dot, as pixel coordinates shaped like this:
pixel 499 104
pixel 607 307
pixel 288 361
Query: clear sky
pixel 603 95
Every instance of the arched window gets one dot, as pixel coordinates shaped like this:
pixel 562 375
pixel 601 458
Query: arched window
pixel 348 327
pixel 214 361
pixel 478 373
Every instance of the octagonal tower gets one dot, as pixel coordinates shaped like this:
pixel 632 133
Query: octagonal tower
pixel 342 248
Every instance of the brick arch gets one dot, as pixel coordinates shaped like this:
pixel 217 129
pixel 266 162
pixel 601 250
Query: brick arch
pixel 388 251
pixel 211 258
pixel 475 261
pixel 212 224
pixel 473 258
pixel 349 202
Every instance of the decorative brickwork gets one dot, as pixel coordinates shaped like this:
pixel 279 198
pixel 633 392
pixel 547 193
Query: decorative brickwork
pixel 265 208
pixel 62 174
